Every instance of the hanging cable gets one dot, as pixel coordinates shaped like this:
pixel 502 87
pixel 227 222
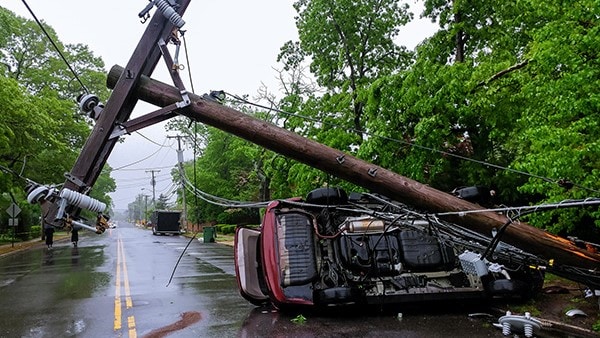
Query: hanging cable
pixel 195 176
pixel 143 159
pixel 152 141
pixel 56 47
pixel 220 201
pixel 144 169
pixel 529 208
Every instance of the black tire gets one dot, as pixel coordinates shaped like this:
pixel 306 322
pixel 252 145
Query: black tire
pixel 327 196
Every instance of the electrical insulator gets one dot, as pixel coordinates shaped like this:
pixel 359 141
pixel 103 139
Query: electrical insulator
pixel 82 201
pixel 168 12
pixel 90 105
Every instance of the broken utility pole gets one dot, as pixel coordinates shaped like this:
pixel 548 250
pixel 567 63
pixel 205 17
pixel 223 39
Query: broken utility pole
pixel 335 162
pixel 99 145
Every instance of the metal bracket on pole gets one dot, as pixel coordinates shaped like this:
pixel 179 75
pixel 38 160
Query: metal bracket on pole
pixel 174 69
pixel 164 113
pixel 76 181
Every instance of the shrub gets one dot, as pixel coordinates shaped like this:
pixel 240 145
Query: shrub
pixel 228 229
pixel 35 231
pixel 219 227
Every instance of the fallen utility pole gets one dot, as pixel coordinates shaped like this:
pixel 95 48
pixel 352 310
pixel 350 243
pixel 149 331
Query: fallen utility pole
pixel 364 174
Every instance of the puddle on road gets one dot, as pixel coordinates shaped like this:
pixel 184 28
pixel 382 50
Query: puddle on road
pixel 187 319
pixel 79 285
pixel 76 327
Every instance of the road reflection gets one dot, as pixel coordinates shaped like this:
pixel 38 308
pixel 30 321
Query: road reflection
pixel 362 322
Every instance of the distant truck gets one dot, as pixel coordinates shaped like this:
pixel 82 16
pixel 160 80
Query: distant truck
pixel 165 222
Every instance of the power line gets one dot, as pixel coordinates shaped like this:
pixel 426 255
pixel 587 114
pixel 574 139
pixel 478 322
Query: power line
pixel 560 182
pixel 149 168
pixel 143 159
pixel 56 47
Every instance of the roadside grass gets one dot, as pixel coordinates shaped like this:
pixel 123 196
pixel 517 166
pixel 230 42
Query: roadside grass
pixel 219 238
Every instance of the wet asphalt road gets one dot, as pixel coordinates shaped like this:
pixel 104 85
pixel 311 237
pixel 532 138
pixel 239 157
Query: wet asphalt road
pixel 115 285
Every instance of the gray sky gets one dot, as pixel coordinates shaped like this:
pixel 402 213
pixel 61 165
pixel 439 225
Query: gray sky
pixel 232 44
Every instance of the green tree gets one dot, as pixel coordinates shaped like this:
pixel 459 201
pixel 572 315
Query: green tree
pixel 41 131
pixel 558 130
pixel 162 202
pixel 522 96
pixel 225 169
pixel 349 44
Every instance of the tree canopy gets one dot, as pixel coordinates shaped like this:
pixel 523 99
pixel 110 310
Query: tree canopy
pixel 41 131
pixel 503 95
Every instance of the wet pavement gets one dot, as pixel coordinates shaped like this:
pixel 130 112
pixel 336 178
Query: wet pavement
pixel 115 285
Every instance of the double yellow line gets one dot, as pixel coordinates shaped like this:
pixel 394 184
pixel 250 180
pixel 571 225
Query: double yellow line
pixel 122 268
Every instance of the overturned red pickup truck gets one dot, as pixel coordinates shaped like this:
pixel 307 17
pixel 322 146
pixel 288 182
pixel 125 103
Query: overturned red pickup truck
pixel 333 249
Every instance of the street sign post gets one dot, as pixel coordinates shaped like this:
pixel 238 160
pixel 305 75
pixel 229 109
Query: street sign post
pixel 13 210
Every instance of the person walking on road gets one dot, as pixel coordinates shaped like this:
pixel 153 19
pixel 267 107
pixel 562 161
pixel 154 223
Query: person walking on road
pixel 49 232
pixel 74 236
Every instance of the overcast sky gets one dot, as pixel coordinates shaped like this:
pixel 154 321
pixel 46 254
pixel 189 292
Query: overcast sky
pixel 232 44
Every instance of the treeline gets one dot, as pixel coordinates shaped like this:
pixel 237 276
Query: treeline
pixel 41 131
pixel 504 95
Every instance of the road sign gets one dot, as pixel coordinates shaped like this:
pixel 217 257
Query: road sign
pixel 13 222
pixel 13 210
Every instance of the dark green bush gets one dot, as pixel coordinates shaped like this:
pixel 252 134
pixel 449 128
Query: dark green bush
pixel 219 227
pixel 35 231
pixel 228 229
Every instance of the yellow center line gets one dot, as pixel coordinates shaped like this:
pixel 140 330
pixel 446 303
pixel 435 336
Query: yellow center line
pixel 131 326
pixel 122 277
pixel 128 301
pixel 117 322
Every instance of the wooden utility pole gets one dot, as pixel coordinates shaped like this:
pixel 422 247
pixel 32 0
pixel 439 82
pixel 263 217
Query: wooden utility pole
pixel 181 174
pixel 153 183
pixel 99 145
pixel 367 175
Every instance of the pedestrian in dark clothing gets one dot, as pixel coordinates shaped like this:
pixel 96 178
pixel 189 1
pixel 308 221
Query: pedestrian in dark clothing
pixel 49 232
pixel 74 236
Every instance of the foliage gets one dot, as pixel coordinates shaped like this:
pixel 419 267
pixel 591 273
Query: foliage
pixel 40 130
pixel 504 94
pixel 226 167
pixel 225 229
pixel 525 101
pixel 162 202
pixel 559 126
pixel 299 319
pixel 349 44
